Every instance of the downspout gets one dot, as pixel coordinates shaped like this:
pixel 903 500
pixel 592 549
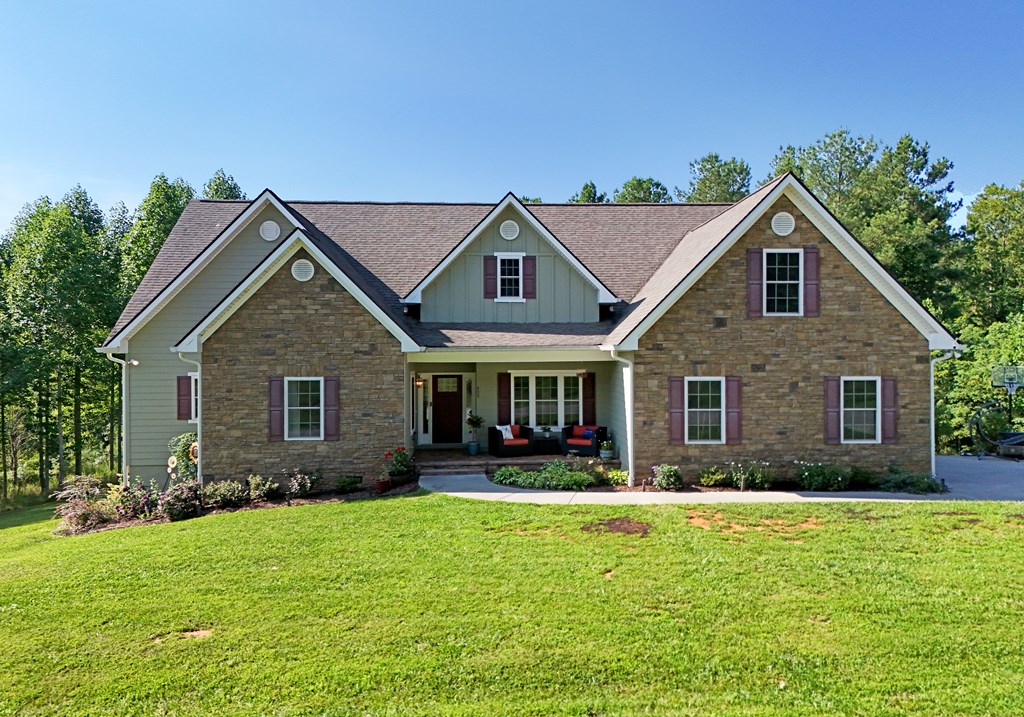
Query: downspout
pixel 125 445
pixel 945 356
pixel 199 413
pixel 628 389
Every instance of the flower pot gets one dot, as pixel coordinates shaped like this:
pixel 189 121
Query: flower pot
pixel 383 485
pixel 607 455
pixel 473 448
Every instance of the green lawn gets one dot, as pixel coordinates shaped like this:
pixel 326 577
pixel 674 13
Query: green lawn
pixel 426 604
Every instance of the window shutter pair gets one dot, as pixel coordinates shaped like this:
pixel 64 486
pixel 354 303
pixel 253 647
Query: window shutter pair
pixel 275 412
pixel 833 408
pixel 811 282
pixel 491 277
pixel 733 410
pixel 184 398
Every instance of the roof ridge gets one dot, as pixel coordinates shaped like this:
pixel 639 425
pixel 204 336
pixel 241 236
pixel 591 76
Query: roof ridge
pixel 370 202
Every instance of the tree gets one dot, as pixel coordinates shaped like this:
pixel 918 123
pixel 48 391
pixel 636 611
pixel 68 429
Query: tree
pixel 222 186
pixel 642 191
pixel 529 200
pixel 154 220
pixel 716 180
pixel 589 195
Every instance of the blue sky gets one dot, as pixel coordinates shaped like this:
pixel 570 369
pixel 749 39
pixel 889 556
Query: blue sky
pixel 465 101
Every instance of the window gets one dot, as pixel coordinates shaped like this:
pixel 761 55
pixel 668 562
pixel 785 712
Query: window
pixel 705 410
pixel 304 409
pixel 860 409
pixel 548 399
pixel 194 380
pixel 510 277
pixel 782 282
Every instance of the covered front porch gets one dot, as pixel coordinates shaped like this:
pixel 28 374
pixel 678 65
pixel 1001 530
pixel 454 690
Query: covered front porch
pixel 548 389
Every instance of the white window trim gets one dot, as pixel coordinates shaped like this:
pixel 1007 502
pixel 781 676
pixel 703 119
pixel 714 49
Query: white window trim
pixel 686 409
pixel 518 256
pixel 532 375
pixel 193 397
pixel 318 379
pixel 878 408
pixel 764 282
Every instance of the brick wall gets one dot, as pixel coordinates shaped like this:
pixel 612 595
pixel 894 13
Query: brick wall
pixel 782 361
pixel 290 328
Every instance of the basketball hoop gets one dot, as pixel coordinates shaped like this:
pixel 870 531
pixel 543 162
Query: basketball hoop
pixel 1011 386
pixel 1008 377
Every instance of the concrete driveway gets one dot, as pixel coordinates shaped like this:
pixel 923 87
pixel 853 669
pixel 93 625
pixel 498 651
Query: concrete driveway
pixel 967 479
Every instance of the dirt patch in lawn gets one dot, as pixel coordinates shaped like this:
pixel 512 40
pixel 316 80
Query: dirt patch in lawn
pixel 955 513
pixel 706 520
pixel 625 526
pixel 865 515
pixel 191 634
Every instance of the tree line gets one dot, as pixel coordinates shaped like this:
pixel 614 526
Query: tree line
pixel 67 270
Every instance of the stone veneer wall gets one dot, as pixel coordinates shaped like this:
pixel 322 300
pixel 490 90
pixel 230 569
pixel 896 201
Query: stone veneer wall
pixel 291 328
pixel 783 362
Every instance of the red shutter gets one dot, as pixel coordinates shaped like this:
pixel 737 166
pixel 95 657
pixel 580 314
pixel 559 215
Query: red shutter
pixel 755 292
pixel 504 398
pixel 812 286
pixel 676 410
pixel 733 409
pixel 589 417
pixel 490 277
pixel 529 277
pixel 331 409
pixel 889 408
pixel 832 409
pixel 275 417
pixel 184 398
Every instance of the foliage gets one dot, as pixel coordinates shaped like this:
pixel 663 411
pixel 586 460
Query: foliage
pixel 349 484
pixel 755 475
pixel 398 462
pixel 225 494
pixel 589 195
pixel 154 220
pixel 261 488
pixel 864 478
pixel 830 167
pixel 668 477
pixel 181 452
pixel 300 483
pixel 80 507
pixel 529 200
pixel 133 501
pixel 617 476
pixel 898 480
pixel 716 180
pixel 639 190
pixel 222 186
pixel 182 500
pixel 554 475
pixel 714 477
pixel 821 477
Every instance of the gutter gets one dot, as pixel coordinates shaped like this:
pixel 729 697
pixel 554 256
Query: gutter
pixel 199 413
pixel 955 353
pixel 628 390
pixel 125 464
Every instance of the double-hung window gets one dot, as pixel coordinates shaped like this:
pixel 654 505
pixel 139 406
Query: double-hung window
pixel 553 400
pixel 783 282
pixel 304 409
pixel 705 410
pixel 510 276
pixel 860 409
pixel 194 385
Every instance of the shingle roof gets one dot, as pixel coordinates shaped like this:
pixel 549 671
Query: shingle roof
pixel 493 335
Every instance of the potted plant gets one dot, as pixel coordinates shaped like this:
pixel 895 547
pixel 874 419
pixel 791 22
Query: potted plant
pixel 398 467
pixel 546 430
pixel 474 421
pixel 607 450
pixel 383 484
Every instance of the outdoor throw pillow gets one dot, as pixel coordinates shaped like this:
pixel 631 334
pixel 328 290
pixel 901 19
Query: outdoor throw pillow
pixel 506 431
pixel 588 433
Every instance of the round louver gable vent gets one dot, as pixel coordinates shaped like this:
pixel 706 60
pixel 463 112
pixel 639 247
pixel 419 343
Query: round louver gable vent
pixel 270 230
pixel 509 230
pixel 783 224
pixel 302 270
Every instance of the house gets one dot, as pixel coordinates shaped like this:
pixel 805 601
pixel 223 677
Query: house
pixel 320 334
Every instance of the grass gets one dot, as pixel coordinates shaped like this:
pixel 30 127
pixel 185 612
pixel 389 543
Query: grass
pixel 432 605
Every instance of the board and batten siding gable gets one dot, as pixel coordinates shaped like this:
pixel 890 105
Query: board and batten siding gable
pixel 152 415
pixel 457 294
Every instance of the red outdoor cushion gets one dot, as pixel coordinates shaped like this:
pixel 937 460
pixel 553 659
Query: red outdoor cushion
pixel 515 433
pixel 516 442
pixel 575 441
pixel 577 431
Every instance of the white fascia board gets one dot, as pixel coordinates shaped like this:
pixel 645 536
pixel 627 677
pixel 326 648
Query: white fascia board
pixel 604 296
pixel 507 356
pixel 208 254
pixel 287 249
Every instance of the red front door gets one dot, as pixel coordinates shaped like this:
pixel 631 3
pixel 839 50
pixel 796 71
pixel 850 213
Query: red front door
pixel 447 398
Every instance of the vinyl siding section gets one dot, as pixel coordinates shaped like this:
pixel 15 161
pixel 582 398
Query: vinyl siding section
pixel 613 390
pixel 456 295
pixel 152 415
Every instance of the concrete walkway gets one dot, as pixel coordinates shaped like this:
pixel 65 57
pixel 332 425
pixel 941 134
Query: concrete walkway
pixel 967 479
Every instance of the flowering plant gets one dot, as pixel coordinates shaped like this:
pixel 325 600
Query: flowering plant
pixel 667 477
pixel 398 461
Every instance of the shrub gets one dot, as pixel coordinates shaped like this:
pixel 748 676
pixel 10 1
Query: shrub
pixel 225 494
pixel 864 478
pixel 300 483
pixel 508 475
pixel 261 488
pixel 182 500
pixel 821 477
pixel 79 506
pixel 755 475
pixel 349 484
pixel 714 477
pixel 132 501
pixel 617 476
pixel 181 464
pixel 897 480
pixel 667 477
pixel 555 475
pixel 398 462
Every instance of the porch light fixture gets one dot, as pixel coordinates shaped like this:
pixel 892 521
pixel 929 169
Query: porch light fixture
pixel 418 381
